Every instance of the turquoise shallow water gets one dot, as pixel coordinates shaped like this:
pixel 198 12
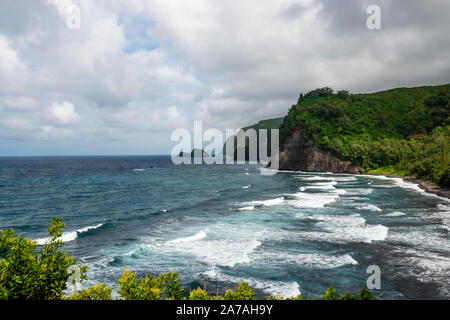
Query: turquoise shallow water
pixel 218 225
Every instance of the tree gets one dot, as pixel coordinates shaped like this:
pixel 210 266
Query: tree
pixel 199 294
pixel 100 291
pixel 330 294
pixel 133 288
pixel 166 285
pixel 243 292
pixel 28 274
pixel 343 94
pixel 319 93
pixel 365 294
pixel 170 284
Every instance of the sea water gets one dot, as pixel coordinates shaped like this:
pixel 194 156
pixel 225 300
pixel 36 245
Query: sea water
pixel 288 234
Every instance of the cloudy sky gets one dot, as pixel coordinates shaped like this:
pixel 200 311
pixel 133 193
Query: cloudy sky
pixel 136 70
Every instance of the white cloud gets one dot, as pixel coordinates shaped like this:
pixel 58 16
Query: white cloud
pixel 12 69
pixel 228 63
pixel 172 112
pixel 19 102
pixel 64 113
pixel 9 61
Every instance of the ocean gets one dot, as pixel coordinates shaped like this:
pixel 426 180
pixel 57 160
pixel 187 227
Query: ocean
pixel 287 234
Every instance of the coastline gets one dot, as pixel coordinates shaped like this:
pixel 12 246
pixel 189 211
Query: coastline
pixel 424 185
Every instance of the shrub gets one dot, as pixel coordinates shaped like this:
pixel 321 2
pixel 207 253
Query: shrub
pixel 330 294
pixel 365 294
pixel 199 294
pixel 444 179
pixel 133 288
pixel 343 94
pixel 243 292
pixel 28 274
pixel 170 284
pixel 100 291
pixel 166 285
pixel 319 93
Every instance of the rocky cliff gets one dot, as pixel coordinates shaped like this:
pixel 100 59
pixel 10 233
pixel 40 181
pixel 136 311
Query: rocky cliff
pixel 298 155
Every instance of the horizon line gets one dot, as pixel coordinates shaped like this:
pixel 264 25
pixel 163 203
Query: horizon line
pixel 85 155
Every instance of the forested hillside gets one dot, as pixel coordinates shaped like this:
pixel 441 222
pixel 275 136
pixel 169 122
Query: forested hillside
pixel 404 131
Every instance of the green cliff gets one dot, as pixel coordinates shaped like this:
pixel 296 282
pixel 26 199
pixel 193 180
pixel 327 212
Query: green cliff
pixel 404 131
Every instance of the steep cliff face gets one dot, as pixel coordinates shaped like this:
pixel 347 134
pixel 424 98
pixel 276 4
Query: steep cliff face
pixel 297 155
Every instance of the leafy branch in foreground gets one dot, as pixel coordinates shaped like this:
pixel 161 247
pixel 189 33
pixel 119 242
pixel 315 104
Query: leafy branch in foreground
pixel 30 274
pixel 331 294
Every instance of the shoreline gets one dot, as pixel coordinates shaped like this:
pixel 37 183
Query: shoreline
pixel 424 185
pixel 427 186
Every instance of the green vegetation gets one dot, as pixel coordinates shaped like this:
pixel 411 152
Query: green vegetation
pixel 331 294
pixel 100 291
pixel 404 131
pixel 29 274
pixel 264 124
pixel 268 125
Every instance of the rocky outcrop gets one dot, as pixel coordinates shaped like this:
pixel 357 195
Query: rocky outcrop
pixel 298 155
pixel 194 153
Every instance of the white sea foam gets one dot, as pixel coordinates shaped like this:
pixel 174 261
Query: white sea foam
pixel 265 203
pixel 89 228
pixel 249 208
pixel 313 260
pixel 321 186
pixel 198 236
pixel 221 244
pixel 224 252
pixel 395 214
pixel 444 215
pixel 228 253
pixel 139 170
pixel 313 200
pixel 370 207
pixel 278 288
pixel 399 182
pixel 275 288
pixel 327 178
pixel 431 267
pixel 314 178
pixel 340 191
pixel 359 191
pixel 264 169
pixel 323 261
pixel 346 228
pixel 425 238
pixel 68 236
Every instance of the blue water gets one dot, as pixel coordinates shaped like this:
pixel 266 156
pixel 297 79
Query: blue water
pixel 217 225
